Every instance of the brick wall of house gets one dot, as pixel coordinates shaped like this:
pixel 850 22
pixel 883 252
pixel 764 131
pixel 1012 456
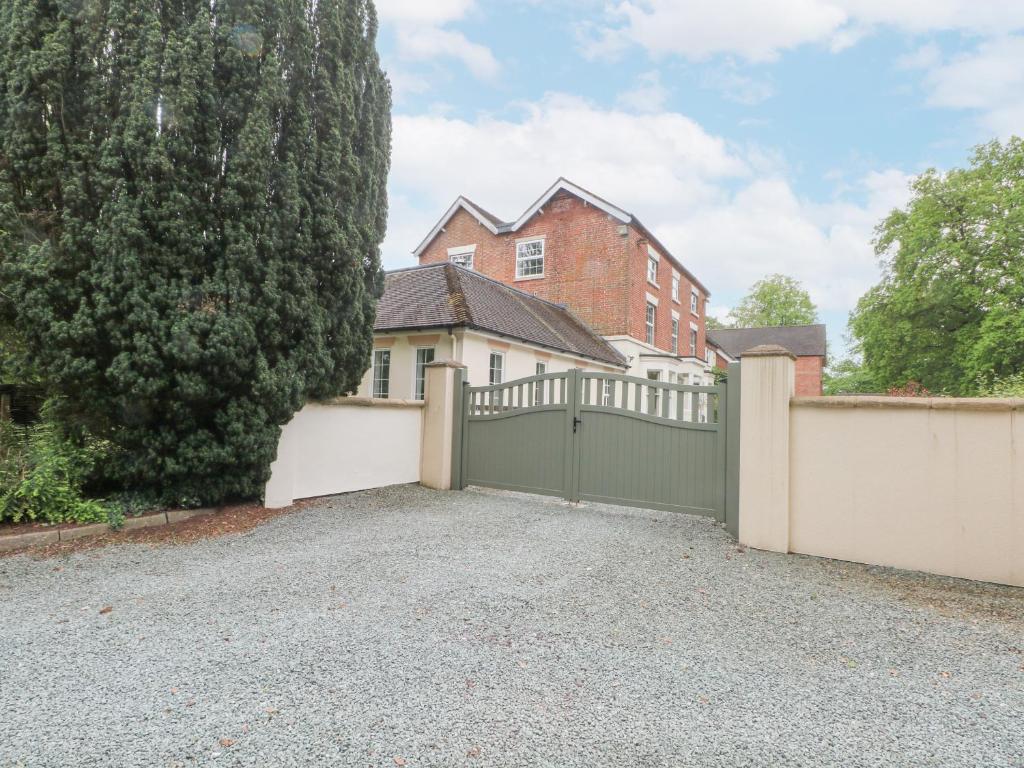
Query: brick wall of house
pixel 589 266
pixel 666 305
pixel 809 370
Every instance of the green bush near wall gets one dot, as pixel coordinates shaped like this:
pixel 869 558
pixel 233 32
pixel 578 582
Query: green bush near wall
pixel 42 474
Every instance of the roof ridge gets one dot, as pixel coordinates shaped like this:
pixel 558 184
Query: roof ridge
pixel 756 327
pixel 457 296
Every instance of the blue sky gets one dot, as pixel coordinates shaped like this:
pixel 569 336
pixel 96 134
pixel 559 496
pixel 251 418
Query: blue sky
pixel 753 136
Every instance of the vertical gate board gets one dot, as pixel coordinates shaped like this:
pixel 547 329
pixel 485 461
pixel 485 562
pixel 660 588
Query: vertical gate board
pixel 631 461
pixel 521 452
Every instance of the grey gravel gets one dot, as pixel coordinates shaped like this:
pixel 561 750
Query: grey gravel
pixel 411 627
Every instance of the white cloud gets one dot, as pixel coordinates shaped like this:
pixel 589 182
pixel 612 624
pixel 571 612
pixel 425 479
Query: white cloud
pixel 758 30
pixel 648 95
pixel 728 212
pixel 421 34
pixel 423 11
pixel 989 79
pixel 426 42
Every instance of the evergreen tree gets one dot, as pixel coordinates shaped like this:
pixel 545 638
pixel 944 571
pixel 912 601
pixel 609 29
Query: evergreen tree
pixel 192 198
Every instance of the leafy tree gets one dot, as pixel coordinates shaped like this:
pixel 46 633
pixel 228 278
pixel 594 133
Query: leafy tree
pixel 772 301
pixel 847 376
pixel 949 310
pixel 192 198
pixel 713 323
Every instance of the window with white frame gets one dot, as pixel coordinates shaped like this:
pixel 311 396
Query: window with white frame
pixel 675 287
pixel 530 258
pixel 606 393
pixel 542 368
pixel 424 355
pixel 652 268
pixel 694 301
pixel 538 386
pixel 710 354
pixel 462 255
pixel 693 341
pixel 675 335
pixel 381 373
pixel 651 312
pixel 496 368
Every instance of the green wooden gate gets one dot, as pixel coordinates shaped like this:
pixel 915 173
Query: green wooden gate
pixel 604 437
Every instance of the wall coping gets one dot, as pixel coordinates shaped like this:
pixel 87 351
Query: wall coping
pixel 991 404
pixel 372 402
pixel 445 364
pixel 768 350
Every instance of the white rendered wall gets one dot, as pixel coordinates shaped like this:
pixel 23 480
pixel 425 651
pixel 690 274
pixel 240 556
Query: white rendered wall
pixel 346 445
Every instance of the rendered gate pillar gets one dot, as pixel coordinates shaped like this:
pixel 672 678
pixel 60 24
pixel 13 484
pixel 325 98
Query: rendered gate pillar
pixel 769 377
pixel 438 424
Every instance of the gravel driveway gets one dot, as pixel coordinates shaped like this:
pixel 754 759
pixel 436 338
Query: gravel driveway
pixel 410 627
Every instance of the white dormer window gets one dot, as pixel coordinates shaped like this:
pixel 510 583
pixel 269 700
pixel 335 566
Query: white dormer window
pixel 530 258
pixel 462 255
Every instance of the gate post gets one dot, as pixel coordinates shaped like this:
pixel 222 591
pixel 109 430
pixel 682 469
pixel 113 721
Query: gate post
pixel 768 383
pixel 732 450
pixel 437 468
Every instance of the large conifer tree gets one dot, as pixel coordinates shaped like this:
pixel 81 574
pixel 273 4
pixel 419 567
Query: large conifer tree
pixel 192 198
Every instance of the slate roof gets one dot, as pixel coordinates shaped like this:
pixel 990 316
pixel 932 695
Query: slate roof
pixel 801 340
pixel 449 296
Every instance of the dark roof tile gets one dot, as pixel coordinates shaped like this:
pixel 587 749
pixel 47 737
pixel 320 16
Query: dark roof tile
pixel 801 340
pixel 446 295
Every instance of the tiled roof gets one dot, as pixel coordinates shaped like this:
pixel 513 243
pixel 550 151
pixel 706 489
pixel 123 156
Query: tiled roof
pixel 449 296
pixel 801 340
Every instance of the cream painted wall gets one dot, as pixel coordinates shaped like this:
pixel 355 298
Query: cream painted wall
pixel 346 445
pixel 472 349
pixel 930 485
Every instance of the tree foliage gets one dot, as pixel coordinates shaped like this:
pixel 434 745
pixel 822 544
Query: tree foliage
pixel 773 301
pixel 949 310
pixel 847 376
pixel 192 198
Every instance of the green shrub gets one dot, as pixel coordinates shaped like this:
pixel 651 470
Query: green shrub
pixel 1007 386
pixel 41 477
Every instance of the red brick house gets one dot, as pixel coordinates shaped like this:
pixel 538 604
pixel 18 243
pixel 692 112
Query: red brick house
pixel 807 342
pixel 574 248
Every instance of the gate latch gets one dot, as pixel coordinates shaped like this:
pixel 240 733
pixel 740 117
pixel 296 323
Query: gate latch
pixel 575 423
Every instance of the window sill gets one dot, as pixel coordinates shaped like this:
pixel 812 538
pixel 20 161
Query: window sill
pixel 528 277
pixel 651 282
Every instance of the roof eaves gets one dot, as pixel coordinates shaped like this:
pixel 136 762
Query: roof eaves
pixel 573 189
pixel 653 238
pixel 485 219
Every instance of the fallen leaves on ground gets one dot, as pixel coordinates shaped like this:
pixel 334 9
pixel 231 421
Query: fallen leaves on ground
pixel 226 742
pixel 106 609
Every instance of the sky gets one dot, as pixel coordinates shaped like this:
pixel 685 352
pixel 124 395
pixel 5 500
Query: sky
pixel 751 136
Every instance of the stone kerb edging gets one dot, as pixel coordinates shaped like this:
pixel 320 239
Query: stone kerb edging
pixel 56 535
